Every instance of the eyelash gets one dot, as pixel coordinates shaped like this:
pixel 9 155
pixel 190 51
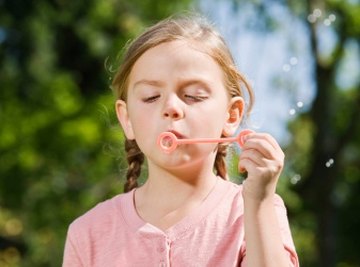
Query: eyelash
pixel 196 98
pixel 150 99
pixel 191 97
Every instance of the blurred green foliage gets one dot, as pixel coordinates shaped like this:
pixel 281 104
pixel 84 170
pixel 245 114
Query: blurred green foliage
pixel 324 154
pixel 61 148
pixel 60 145
pixel 320 183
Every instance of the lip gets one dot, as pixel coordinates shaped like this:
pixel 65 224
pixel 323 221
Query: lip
pixel 177 134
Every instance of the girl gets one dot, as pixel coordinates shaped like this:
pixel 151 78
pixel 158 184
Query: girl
pixel 179 76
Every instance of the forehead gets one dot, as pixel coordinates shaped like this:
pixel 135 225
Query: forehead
pixel 180 57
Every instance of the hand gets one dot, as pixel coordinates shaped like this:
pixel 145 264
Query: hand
pixel 263 159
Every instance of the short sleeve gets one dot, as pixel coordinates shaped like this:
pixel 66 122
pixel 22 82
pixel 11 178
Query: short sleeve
pixel 71 257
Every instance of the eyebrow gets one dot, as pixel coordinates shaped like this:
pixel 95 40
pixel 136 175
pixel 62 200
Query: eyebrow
pixel 186 83
pixel 148 82
pixel 181 84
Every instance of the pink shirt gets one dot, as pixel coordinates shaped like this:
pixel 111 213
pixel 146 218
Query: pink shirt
pixel 113 234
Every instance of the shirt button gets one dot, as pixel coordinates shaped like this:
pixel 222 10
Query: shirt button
pixel 161 249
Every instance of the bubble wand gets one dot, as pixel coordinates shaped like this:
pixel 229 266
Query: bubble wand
pixel 168 141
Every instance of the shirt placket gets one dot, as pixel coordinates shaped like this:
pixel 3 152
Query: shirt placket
pixel 164 248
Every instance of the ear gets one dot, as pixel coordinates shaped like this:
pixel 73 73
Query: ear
pixel 123 117
pixel 234 116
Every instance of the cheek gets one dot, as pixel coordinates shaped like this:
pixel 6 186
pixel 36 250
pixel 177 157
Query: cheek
pixel 143 123
pixel 136 113
pixel 210 122
pixel 139 123
pixel 216 111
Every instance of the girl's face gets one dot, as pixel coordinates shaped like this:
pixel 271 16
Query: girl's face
pixel 176 87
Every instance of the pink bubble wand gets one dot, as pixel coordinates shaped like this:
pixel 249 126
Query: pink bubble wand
pixel 168 141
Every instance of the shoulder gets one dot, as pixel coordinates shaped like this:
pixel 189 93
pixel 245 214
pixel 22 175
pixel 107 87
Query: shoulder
pixel 229 197
pixel 89 235
pixel 101 217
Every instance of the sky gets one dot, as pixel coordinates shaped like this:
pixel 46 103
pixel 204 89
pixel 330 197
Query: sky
pixel 278 63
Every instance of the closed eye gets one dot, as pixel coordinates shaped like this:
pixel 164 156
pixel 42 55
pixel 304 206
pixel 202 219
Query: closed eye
pixel 151 99
pixel 196 98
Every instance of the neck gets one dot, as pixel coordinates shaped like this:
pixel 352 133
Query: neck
pixel 167 196
pixel 177 184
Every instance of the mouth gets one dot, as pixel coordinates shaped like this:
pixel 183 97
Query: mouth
pixel 177 134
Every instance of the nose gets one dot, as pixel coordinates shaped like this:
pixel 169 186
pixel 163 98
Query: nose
pixel 173 109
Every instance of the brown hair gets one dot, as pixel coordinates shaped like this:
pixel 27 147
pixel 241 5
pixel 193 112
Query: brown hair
pixel 192 28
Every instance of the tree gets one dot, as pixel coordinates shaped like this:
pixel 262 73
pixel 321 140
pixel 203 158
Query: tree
pixel 60 146
pixel 328 187
pixel 324 153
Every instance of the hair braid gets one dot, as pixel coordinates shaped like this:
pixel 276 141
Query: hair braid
pixel 135 158
pixel 220 165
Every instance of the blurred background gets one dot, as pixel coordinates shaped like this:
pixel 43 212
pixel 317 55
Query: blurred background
pixel 61 147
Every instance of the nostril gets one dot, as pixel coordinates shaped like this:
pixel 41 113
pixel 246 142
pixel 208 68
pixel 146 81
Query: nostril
pixel 173 115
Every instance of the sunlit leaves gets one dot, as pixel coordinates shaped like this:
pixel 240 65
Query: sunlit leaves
pixel 60 145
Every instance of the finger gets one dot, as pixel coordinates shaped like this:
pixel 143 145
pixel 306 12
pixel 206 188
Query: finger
pixel 246 165
pixel 263 136
pixel 264 143
pixel 261 145
pixel 251 159
pixel 252 167
pixel 268 169
pixel 257 160
pixel 253 155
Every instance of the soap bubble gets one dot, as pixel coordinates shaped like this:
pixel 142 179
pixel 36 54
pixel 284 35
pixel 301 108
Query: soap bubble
pixel 314 15
pixel 327 22
pixel 293 111
pixel 295 179
pixel 293 61
pixel 317 12
pixel 286 67
pixel 332 17
pixel 299 104
pixel 311 18
pixel 329 163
